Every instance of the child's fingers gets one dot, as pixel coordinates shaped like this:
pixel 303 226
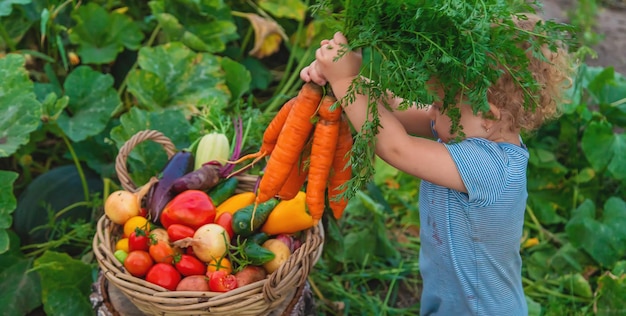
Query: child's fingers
pixel 315 75
pixel 304 74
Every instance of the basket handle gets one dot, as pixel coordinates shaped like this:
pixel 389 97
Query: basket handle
pixel 120 161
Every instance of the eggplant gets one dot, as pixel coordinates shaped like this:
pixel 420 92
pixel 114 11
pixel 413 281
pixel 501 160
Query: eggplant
pixel 161 193
pixel 204 178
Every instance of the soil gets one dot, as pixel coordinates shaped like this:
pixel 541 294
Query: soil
pixel 610 24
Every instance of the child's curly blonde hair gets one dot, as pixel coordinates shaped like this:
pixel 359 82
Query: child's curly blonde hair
pixel 553 76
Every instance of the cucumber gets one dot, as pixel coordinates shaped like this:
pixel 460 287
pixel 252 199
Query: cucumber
pixel 248 221
pixel 223 190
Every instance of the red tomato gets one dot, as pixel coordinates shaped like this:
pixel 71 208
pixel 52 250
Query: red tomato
pixel 192 208
pixel 162 252
pixel 138 263
pixel 222 281
pixel 190 265
pixel 138 242
pixel 179 231
pixel 164 275
pixel 226 220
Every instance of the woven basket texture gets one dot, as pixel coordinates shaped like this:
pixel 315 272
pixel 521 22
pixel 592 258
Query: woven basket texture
pixel 259 298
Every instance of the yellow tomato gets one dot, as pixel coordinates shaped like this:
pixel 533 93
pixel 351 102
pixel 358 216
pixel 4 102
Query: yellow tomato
pixel 122 244
pixel 136 222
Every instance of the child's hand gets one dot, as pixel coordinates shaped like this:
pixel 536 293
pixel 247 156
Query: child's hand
pixel 310 73
pixel 346 67
pixel 325 68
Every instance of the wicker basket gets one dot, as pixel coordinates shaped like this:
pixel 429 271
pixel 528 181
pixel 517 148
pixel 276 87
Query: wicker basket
pixel 259 298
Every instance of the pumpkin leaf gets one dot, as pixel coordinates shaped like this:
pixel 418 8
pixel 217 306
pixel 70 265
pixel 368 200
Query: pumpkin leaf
pixel 92 100
pixel 604 238
pixel 65 284
pixel 605 149
pixel 8 203
pixel 20 109
pixel 201 25
pixel 101 35
pixel 172 75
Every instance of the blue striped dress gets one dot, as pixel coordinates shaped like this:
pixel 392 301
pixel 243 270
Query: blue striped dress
pixel 469 255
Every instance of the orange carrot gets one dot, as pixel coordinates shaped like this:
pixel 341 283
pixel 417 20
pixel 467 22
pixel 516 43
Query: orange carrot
pixel 296 178
pixel 270 136
pixel 322 155
pixel 290 142
pixel 341 170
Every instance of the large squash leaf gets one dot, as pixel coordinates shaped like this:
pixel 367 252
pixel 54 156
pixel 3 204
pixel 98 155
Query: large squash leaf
pixel 20 289
pixel 65 284
pixel 172 75
pixel 92 101
pixel 604 239
pixel 20 109
pixel 203 25
pixel 605 149
pixel 7 206
pixel 101 35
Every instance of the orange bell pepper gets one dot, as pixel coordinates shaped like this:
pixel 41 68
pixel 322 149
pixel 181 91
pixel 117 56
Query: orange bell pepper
pixel 288 217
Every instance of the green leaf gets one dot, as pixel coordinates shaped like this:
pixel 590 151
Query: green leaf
pixel 172 75
pixel 65 283
pixel 148 158
pixel 605 149
pixel 20 289
pixel 100 35
pixel 611 295
pixel 6 6
pixel 8 203
pixel 604 238
pixel 204 25
pixel 237 78
pixel 576 284
pixel 92 100
pixel 20 109
pixel 291 9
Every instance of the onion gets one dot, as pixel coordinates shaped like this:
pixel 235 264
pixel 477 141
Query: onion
pixel 122 205
pixel 210 242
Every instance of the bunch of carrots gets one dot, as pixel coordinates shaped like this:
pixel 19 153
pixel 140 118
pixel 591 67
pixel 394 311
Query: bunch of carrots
pixel 308 141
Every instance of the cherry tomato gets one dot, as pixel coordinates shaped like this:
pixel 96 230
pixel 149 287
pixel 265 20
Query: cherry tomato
pixel 138 263
pixel 190 265
pixel 179 231
pixel 138 240
pixel 222 264
pixel 134 223
pixel 122 244
pixel 226 220
pixel 222 281
pixel 164 275
pixel 162 252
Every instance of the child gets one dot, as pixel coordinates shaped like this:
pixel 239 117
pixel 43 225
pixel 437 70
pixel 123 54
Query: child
pixel 473 191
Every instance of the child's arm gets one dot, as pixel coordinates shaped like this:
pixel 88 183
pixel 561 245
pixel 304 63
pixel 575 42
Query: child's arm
pixel 423 158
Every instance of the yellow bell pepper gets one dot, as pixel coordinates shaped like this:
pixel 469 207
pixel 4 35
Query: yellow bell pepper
pixel 288 217
pixel 235 203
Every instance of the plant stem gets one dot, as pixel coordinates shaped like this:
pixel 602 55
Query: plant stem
pixel 79 168
pixel 276 101
pixel 124 83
